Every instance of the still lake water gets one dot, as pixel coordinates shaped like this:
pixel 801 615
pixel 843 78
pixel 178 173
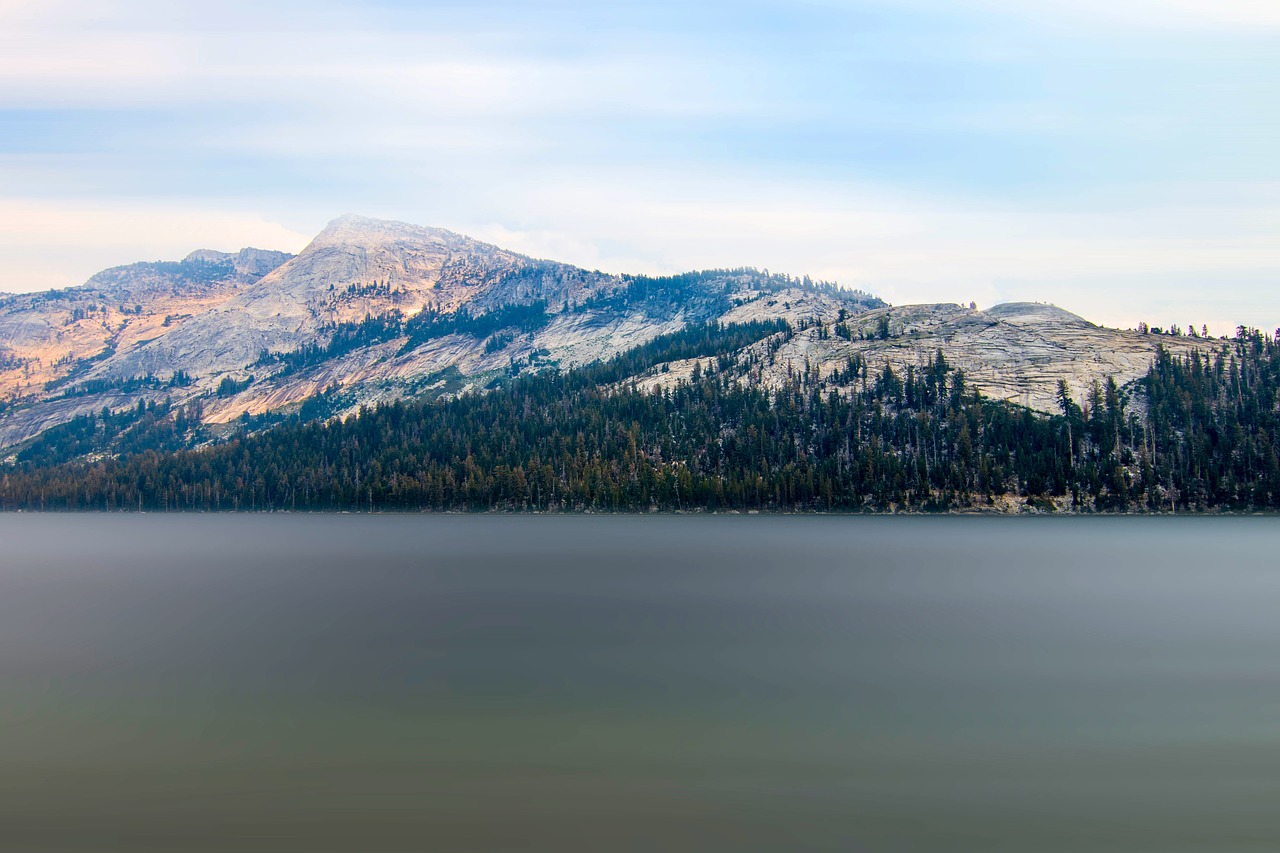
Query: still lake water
pixel 457 683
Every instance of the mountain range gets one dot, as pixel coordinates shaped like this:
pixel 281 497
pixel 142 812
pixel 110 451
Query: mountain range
pixel 372 311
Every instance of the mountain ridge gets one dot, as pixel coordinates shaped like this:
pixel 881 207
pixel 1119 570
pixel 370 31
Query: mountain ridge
pixel 382 310
pixel 597 439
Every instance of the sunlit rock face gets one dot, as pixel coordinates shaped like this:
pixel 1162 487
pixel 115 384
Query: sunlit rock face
pixel 52 342
pixel 1017 352
pixel 231 329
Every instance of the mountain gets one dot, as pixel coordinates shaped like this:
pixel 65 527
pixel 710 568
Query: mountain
pixel 1017 352
pixel 393 366
pixel 51 342
pixel 1195 433
pixel 382 310
pixel 373 311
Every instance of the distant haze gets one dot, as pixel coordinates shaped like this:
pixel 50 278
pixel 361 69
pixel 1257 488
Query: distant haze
pixel 1115 159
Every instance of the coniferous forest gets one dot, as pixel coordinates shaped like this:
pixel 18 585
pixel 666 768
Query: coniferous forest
pixel 1196 434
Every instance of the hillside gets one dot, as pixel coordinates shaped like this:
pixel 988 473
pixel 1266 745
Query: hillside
pixel 1195 433
pixel 1016 352
pixel 379 310
pixel 46 335
pixel 374 311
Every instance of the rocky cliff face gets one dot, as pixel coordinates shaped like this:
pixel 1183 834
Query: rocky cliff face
pixel 355 268
pixel 51 340
pixel 379 310
pixel 1017 352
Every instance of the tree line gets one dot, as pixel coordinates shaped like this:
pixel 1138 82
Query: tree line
pixel 1196 433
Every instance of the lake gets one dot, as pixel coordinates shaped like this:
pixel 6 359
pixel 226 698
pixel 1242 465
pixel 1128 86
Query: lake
pixel 701 683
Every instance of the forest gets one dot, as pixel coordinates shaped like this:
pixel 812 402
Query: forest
pixel 1195 434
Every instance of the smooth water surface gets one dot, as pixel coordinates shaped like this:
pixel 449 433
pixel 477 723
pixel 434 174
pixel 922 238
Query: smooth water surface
pixel 458 683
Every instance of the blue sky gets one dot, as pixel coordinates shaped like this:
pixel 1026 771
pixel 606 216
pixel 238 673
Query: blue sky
pixel 1120 160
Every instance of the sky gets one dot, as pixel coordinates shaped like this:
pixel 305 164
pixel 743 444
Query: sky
pixel 1119 159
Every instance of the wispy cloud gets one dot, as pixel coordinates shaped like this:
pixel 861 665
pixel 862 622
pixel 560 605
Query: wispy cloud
pixel 1152 14
pixel 1106 156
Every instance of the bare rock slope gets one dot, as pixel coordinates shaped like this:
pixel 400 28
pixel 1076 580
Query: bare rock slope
pixel 376 310
pixel 1017 352
pixel 53 340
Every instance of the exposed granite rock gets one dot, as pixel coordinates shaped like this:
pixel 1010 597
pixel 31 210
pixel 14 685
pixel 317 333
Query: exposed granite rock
pixel 50 336
pixel 247 262
pixel 213 314
pixel 1017 352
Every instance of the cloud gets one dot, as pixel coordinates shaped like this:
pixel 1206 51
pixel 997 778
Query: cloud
pixel 1135 14
pixel 1107 156
pixel 345 66
pixel 1183 13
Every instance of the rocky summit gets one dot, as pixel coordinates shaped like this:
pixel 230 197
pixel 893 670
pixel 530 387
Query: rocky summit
pixel 372 311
